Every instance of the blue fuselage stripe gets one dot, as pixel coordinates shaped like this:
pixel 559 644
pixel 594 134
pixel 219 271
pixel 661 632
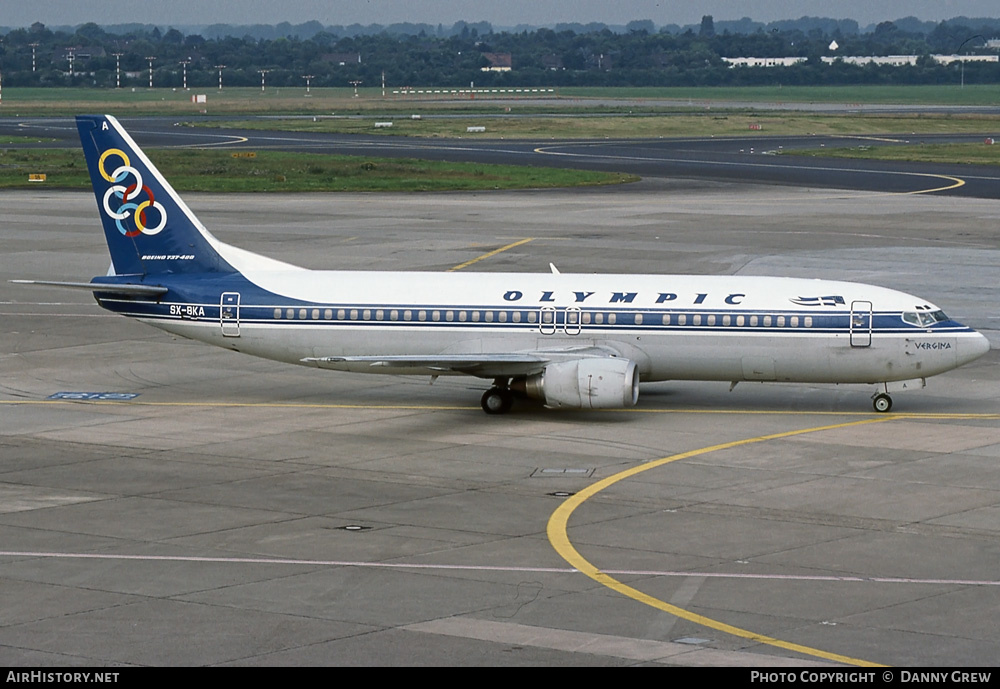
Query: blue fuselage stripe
pixel 525 318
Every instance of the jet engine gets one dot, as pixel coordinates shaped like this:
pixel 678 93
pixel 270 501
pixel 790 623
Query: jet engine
pixel 611 383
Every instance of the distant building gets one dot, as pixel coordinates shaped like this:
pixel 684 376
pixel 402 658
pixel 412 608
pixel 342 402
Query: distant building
pixel 552 62
pixel 891 60
pixel 602 62
pixel 342 59
pixel 499 62
pixel 81 53
pixel 763 61
pixel 948 59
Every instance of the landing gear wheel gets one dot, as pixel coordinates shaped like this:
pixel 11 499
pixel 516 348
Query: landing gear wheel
pixel 497 400
pixel 882 402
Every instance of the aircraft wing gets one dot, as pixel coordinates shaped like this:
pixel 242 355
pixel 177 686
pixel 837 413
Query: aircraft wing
pixel 486 365
pixel 481 365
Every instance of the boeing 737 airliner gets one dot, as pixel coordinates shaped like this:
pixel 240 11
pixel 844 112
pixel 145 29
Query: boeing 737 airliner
pixel 572 341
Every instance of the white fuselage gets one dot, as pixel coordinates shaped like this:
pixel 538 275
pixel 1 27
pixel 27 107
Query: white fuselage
pixel 727 328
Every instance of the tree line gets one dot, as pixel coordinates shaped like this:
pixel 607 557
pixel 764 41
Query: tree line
pixel 640 55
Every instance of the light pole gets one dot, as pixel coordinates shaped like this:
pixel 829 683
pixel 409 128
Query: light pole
pixel 970 38
pixel 118 69
pixel 71 57
pixel 220 68
pixel 150 60
pixel 34 46
pixel 308 78
pixel 355 84
pixel 262 73
pixel 184 64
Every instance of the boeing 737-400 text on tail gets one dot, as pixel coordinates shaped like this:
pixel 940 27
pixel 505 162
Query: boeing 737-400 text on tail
pixel 571 340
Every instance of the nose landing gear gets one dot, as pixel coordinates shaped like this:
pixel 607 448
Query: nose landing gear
pixel 881 402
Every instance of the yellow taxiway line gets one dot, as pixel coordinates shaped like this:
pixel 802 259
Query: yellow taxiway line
pixel 927 416
pixel 489 254
pixel 559 520
pixel 559 538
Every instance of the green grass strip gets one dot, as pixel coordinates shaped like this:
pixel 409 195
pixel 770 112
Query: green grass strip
pixel 272 171
pixel 624 126
pixel 969 154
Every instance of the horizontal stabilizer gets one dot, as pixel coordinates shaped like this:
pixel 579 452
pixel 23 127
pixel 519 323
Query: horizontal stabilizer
pixel 103 287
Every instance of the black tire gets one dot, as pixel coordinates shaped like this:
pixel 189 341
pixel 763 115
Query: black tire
pixel 497 401
pixel 882 403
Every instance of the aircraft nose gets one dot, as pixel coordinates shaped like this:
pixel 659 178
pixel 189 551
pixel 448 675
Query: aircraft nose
pixel 971 348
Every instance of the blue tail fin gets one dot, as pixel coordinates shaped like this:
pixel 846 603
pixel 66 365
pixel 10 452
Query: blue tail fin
pixel 148 227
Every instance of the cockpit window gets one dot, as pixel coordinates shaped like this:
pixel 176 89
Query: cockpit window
pixel 924 318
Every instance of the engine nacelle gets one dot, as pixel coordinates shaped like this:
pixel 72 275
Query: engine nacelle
pixel 611 383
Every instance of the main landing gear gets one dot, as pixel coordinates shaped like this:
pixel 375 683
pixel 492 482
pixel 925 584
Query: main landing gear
pixel 882 402
pixel 499 398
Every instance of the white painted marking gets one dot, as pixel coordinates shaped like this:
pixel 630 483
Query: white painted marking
pixel 495 568
pixel 644 650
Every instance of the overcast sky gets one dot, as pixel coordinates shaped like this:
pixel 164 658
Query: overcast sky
pixel 497 12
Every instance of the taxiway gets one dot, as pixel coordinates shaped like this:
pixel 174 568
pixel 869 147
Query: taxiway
pixel 243 512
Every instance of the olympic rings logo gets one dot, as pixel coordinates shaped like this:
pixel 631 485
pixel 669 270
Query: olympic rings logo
pixel 126 195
